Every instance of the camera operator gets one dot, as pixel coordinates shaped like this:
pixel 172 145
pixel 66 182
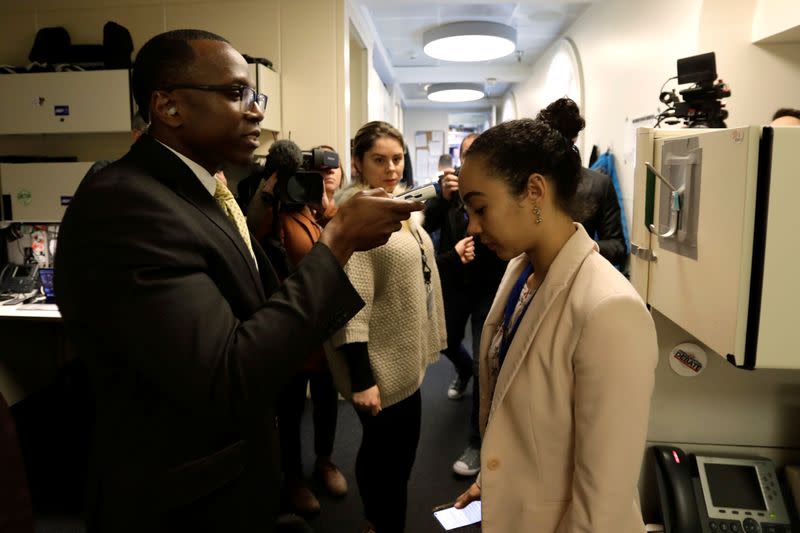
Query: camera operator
pixel 293 236
pixel 333 178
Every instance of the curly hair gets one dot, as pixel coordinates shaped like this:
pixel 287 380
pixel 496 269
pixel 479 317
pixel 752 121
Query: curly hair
pixel 565 116
pixel 514 150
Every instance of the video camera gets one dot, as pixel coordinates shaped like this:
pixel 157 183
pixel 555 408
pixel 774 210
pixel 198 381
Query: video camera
pixel 300 180
pixel 701 106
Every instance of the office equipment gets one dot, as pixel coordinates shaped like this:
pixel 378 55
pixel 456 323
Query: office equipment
pixel 19 279
pixel 46 276
pixel 710 242
pixel 706 494
pixel 39 192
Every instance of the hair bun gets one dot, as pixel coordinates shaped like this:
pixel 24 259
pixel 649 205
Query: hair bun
pixel 564 116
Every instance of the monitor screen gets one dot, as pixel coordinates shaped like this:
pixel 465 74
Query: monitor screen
pixel 46 277
pixel 734 486
pixel 697 69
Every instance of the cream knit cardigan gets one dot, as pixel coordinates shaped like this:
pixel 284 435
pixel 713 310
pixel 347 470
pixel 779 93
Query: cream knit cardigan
pixel 401 338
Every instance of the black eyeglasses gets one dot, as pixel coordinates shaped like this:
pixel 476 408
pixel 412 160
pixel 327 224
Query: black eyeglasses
pixel 247 95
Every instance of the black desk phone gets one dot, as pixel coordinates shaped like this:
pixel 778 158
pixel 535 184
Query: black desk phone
pixel 19 278
pixel 705 494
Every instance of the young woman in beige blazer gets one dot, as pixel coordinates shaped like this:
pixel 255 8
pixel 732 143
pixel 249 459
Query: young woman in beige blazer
pixel 568 350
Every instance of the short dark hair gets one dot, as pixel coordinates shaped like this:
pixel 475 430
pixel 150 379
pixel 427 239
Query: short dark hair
pixel 369 133
pixel 164 59
pixel 514 150
pixel 465 139
pixel 565 116
pixel 786 112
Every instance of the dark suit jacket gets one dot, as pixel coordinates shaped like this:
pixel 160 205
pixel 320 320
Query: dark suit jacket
pixel 596 207
pixel 187 344
pixel 481 275
pixel 16 513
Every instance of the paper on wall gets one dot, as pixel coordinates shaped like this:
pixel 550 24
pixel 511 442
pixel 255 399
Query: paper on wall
pixel 421 163
pixel 436 148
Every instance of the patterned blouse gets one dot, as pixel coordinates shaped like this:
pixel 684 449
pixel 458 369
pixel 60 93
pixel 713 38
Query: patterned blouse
pixel 497 341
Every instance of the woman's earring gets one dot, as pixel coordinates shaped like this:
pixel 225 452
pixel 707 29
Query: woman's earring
pixel 538 213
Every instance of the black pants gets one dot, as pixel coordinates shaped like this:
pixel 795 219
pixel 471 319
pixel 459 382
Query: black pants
pixel 290 411
pixel 385 458
pixel 459 305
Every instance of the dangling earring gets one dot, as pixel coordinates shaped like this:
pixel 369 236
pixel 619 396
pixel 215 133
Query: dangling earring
pixel 538 213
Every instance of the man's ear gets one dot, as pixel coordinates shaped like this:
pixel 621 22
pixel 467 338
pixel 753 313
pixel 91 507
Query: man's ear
pixel 164 107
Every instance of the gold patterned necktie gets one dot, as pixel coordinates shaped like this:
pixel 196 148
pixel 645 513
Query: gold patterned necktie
pixel 229 206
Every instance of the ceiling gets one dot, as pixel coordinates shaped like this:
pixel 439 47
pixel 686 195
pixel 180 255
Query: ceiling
pixel 399 26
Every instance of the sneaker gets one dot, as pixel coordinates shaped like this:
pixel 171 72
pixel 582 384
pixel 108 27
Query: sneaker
pixel 330 476
pixel 457 388
pixel 469 464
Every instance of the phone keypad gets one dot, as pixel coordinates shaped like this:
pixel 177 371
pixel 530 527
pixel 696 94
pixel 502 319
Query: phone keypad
pixel 725 526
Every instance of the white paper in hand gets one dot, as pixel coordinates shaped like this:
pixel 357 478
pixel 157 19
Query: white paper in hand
pixel 452 518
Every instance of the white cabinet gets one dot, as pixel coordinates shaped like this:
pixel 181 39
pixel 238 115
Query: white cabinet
pixel 39 192
pixel 65 102
pixel 724 275
pixel 269 82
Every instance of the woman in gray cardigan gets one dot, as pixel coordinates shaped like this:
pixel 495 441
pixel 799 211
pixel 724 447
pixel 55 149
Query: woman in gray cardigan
pixel 377 364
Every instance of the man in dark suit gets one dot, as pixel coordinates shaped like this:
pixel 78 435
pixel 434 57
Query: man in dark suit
pixel 193 335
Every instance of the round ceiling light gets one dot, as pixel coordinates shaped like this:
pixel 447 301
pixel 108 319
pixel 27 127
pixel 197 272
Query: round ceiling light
pixel 455 92
pixel 470 41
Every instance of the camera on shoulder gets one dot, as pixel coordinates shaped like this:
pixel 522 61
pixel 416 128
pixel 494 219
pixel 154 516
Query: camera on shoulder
pixel 299 173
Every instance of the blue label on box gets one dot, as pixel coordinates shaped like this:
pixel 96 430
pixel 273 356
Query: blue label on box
pixel 61 110
pixel 65 200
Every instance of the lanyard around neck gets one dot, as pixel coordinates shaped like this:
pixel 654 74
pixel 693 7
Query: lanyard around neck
pixel 426 270
pixel 511 304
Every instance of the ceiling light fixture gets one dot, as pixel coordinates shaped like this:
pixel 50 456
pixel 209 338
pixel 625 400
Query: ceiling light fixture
pixel 470 41
pixel 455 92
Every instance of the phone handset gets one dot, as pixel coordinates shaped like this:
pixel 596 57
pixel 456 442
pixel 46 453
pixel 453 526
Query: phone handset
pixel 675 490
pixel 7 272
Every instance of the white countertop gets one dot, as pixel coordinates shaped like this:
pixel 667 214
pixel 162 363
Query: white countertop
pixel 46 312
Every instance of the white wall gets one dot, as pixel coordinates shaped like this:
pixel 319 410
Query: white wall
pixel 628 49
pixel 423 120
pixel 380 100
pixel 762 77
pixel 773 17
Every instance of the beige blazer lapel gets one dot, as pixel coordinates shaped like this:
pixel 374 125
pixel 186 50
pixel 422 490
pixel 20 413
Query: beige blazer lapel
pixel 560 276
